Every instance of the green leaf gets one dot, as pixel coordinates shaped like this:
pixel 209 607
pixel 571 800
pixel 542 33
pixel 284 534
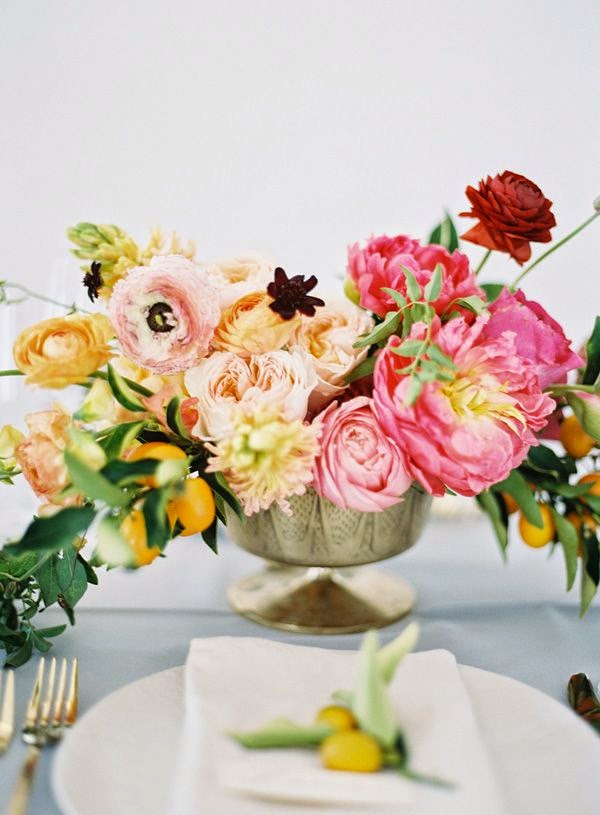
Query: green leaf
pixel 445 234
pixel 472 303
pixel 127 472
pixel 72 578
pixel 382 331
pixel 93 484
pixel 544 459
pixel 364 368
pixel 497 515
pixel 437 355
pixel 21 655
pixel 53 631
pixel 219 484
pixel 415 386
pixel 54 532
pixel 390 656
pixel 209 536
pixel 492 290
pixel 371 704
pixel 433 288
pixel 412 287
pixel 516 486
pixel 590 569
pixel 592 352
pixel 174 419
pixel 111 547
pixel 120 438
pixel 410 348
pixel 158 532
pixel 284 733
pixel 399 299
pixel 569 540
pixel 122 392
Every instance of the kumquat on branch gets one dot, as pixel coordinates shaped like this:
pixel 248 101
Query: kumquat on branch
pixel 211 390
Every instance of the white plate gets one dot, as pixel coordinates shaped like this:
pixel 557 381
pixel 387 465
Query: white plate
pixel 120 757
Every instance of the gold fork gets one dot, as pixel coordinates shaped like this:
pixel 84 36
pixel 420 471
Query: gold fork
pixel 7 711
pixel 48 712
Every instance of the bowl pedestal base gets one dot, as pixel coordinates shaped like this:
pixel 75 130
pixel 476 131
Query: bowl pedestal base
pixel 320 600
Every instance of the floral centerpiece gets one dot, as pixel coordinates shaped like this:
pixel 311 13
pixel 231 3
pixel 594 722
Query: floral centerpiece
pixel 212 388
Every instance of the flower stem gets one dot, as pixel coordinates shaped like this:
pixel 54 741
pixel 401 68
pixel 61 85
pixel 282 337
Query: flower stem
pixel 562 388
pixel 483 261
pixel 553 248
pixel 6 284
pixel 11 372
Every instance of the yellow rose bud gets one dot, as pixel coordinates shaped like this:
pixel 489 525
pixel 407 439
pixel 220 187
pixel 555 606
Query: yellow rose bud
pixel 249 327
pixel 63 351
pixel 10 438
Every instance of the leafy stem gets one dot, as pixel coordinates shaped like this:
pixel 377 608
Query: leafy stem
pixel 28 293
pixel 553 248
pixel 483 261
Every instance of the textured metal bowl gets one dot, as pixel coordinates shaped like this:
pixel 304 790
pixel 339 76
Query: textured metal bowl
pixel 319 534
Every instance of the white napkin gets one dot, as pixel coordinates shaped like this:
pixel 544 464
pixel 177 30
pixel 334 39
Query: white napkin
pixel 239 684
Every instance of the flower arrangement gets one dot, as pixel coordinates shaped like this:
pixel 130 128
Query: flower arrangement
pixel 228 386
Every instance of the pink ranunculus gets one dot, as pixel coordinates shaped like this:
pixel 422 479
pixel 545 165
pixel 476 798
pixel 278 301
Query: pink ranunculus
pixel 470 432
pixel 359 467
pixel 165 314
pixel 538 337
pixel 380 264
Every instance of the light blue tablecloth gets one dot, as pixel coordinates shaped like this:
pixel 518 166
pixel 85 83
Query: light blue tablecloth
pixel 514 620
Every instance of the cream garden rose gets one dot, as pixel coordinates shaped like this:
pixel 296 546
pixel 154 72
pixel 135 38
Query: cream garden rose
pixel 237 276
pixel 328 338
pixel 281 380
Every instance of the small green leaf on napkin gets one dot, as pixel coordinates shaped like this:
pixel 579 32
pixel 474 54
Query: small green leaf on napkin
pixel 284 733
pixel 371 704
pixel 392 654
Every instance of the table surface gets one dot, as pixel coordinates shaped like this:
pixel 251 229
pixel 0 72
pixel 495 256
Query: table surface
pixel 513 619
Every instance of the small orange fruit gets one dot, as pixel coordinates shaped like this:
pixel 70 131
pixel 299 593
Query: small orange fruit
pixel 195 507
pixel 351 750
pixel 594 480
pixel 510 503
pixel 535 536
pixel 158 450
pixel 133 530
pixel 574 439
pixel 340 718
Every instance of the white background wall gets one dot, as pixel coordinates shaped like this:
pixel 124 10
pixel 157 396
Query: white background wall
pixel 291 128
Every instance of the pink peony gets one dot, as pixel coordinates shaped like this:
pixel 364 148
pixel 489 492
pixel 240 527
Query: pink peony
pixel 470 432
pixel 538 337
pixel 379 264
pixel 165 314
pixel 359 467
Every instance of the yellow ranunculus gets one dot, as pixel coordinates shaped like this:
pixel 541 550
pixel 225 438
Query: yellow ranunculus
pixel 62 351
pixel 10 438
pixel 249 327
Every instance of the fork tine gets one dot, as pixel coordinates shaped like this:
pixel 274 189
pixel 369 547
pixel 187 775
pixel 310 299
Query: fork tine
pixel 57 715
pixel 7 713
pixel 73 697
pixel 47 703
pixel 33 704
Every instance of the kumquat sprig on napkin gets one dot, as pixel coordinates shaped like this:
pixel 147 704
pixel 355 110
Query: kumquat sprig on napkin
pixel 357 732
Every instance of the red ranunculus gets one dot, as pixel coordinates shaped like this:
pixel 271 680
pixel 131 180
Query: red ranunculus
pixel 512 212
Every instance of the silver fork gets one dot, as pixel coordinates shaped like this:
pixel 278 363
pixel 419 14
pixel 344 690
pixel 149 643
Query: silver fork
pixel 48 712
pixel 7 711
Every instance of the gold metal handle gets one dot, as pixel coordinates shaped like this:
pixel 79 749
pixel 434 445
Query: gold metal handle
pixel 19 799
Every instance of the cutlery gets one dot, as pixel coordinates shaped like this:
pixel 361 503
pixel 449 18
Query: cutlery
pixel 7 710
pixel 48 712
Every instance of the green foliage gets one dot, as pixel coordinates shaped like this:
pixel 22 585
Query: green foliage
pixel 592 353
pixel 123 392
pixel 445 234
pixel 492 290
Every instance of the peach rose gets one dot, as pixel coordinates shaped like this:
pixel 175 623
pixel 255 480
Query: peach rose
pixel 280 380
pixel 328 338
pixel 40 454
pixel 238 276
pixel 63 351
pixel 249 327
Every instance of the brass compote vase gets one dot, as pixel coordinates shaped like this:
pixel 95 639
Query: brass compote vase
pixel 313 582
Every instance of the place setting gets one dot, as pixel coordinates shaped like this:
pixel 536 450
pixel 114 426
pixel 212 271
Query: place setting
pixel 239 403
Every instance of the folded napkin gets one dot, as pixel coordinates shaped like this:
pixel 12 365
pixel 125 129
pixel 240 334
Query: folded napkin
pixel 240 684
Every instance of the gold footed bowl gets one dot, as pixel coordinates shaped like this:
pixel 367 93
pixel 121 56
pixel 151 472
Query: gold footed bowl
pixel 313 583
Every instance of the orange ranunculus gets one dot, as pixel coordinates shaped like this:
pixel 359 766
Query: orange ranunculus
pixel 249 327
pixel 512 212
pixel 40 454
pixel 62 351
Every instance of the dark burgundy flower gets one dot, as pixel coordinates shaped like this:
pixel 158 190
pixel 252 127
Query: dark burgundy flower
pixel 512 212
pixel 290 294
pixel 92 280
